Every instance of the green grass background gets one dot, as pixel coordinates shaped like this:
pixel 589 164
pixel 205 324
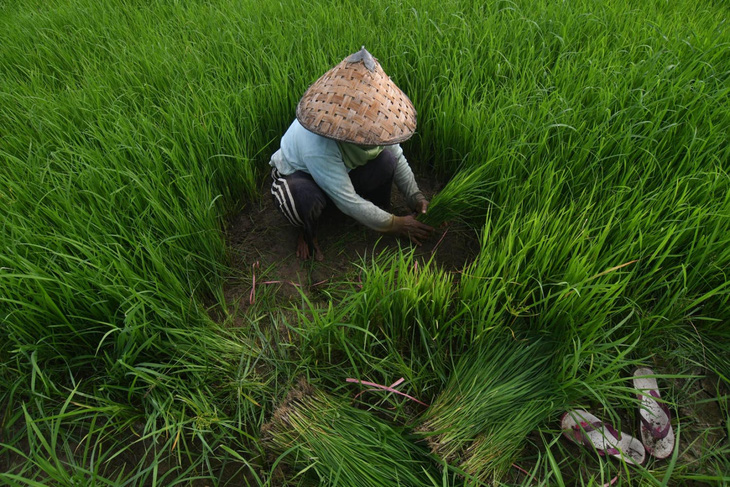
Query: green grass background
pixel 592 135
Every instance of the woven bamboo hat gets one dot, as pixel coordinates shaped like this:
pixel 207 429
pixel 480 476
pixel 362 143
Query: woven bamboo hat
pixel 357 102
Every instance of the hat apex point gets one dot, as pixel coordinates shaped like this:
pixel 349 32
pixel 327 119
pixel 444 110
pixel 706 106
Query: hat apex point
pixel 363 55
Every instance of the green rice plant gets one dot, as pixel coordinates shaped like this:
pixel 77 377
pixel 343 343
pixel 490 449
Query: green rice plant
pixel 406 299
pixel 498 393
pixel 130 132
pixel 466 197
pixel 395 318
pixel 83 446
pixel 169 423
pixel 493 452
pixel 342 445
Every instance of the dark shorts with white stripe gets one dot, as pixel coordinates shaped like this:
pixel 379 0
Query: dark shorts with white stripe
pixel 301 201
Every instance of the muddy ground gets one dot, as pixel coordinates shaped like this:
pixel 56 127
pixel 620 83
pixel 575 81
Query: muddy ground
pixel 262 244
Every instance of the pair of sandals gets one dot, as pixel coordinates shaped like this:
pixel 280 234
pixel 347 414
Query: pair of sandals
pixel 657 435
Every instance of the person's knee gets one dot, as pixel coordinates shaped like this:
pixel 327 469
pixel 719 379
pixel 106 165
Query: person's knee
pixel 315 209
pixel 285 202
pixel 305 190
pixel 377 172
pixel 308 197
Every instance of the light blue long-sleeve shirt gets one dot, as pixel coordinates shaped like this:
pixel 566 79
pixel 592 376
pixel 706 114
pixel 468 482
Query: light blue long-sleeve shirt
pixel 302 150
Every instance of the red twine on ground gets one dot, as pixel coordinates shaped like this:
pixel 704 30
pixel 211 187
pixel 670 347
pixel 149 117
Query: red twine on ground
pixel 523 471
pixel 389 388
pixel 440 240
pixel 252 296
pixel 282 282
pixel 613 481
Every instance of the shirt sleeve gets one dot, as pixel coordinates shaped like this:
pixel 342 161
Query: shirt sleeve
pixel 329 172
pixel 404 178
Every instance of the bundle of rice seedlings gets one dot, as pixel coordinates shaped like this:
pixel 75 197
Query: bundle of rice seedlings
pixel 493 452
pixel 497 394
pixel 465 197
pixel 341 444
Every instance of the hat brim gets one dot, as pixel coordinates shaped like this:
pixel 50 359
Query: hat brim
pixel 359 104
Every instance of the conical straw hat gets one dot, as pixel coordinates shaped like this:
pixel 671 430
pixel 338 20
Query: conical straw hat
pixel 357 102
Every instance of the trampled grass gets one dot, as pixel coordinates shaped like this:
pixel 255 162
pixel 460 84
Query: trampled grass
pixel 585 142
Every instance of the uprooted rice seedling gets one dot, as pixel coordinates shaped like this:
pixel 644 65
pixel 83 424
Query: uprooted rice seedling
pixel 497 394
pixel 466 197
pixel 341 444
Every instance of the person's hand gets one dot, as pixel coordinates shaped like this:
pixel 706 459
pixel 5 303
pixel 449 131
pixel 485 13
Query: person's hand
pixel 408 226
pixel 421 206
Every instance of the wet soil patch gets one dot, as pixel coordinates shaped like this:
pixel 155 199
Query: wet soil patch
pixel 262 250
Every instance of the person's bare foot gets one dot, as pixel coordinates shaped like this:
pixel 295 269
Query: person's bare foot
pixel 304 252
pixel 302 247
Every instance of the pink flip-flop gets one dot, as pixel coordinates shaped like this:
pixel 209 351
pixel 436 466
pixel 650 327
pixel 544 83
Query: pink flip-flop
pixel 656 420
pixel 585 429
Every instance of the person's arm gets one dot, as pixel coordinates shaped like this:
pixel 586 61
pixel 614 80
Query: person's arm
pixel 406 181
pixel 330 174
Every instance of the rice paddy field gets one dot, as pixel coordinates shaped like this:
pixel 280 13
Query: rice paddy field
pixel 580 147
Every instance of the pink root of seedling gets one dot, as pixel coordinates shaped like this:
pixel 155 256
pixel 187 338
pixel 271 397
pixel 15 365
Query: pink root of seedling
pixel 390 388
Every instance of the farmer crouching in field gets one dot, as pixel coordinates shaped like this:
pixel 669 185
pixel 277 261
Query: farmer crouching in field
pixel 343 149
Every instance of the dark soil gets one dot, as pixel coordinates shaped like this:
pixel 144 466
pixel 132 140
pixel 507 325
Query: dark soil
pixel 262 250
pixel 262 246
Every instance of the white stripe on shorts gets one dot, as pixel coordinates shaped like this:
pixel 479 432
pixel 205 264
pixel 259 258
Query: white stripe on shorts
pixel 283 204
pixel 282 193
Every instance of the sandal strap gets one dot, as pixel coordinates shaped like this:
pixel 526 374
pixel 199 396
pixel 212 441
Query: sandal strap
pixel 578 429
pixel 657 433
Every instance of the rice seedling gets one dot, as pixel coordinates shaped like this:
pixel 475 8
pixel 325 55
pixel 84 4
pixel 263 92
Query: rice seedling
pixel 395 318
pixel 466 197
pixel 342 445
pixel 497 394
pixel 586 144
